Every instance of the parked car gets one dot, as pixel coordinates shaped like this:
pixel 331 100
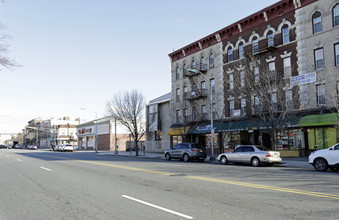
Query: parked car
pixel 57 148
pixel 250 154
pixel 32 147
pixel 18 146
pixel 186 152
pixel 3 146
pixel 67 147
pixel 324 159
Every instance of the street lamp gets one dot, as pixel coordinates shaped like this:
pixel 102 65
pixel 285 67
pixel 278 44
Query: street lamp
pixel 96 130
pixel 193 71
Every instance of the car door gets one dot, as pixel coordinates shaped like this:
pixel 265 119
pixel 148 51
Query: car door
pixel 175 151
pixel 334 155
pixel 184 148
pixel 246 155
pixel 235 155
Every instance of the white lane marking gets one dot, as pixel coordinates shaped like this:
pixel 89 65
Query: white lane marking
pixel 45 168
pixel 158 207
pixel 18 160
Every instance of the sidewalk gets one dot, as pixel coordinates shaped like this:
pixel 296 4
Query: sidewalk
pixel 298 162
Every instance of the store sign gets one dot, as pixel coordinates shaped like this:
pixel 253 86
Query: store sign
pixel 85 130
pixel 303 79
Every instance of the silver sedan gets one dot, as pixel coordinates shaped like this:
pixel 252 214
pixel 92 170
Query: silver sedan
pixel 250 154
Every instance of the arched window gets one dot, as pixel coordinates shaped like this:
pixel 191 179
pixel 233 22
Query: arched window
pixel 177 73
pixel 270 39
pixel 202 63
pixel 316 20
pixel 193 64
pixel 241 50
pixel 255 45
pixel 336 15
pixel 211 60
pixel 230 54
pixel 285 34
pixel 185 69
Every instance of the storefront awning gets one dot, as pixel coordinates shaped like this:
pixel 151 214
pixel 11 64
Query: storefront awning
pixel 204 129
pixel 319 120
pixel 177 131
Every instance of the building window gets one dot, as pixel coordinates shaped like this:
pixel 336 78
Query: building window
pixel 185 115
pixel 178 94
pixel 287 67
pixel 203 112
pixel 255 45
pixel 243 107
pixel 285 34
pixel 256 74
pixel 271 69
pixel 321 95
pixel 274 100
pixel 213 85
pixel 289 99
pixel 185 69
pixel 231 108
pixel 257 105
pixel 316 19
pixel 193 64
pixel 158 135
pixel 241 50
pixel 185 92
pixel 319 58
pixel 194 114
pixel 177 116
pixel 194 91
pixel 177 73
pixel 242 78
pixel 211 60
pixel 336 15
pixel 203 88
pixel 336 49
pixel 231 81
pixel 230 54
pixel 202 63
pixel 270 39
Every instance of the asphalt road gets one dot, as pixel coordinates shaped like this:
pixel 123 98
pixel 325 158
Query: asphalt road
pixel 83 185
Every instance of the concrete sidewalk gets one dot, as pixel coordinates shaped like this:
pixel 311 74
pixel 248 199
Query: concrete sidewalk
pixel 298 162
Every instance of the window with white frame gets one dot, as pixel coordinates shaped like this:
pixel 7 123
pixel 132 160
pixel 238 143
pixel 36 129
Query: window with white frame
pixel 229 54
pixel 336 49
pixel 336 15
pixel 319 58
pixel 203 112
pixel 321 95
pixel 257 105
pixel 185 115
pixel 243 106
pixel 202 63
pixel 317 24
pixel 177 73
pixel 203 88
pixel 231 103
pixel 177 116
pixel 211 60
pixel 285 34
pixel 242 78
pixel 271 69
pixel 241 50
pixel 231 79
pixel 185 69
pixel 270 39
pixel 287 67
pixel 289 99
pixel 194 114
pixel 255 45
pixel 185 92
pixel 193 64
pixel 256 74
pixel 274 100
pixel 178 94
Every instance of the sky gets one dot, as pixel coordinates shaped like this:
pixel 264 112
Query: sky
pixel 79 53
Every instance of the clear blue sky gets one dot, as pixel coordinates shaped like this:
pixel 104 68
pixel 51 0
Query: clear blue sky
pixel 79 53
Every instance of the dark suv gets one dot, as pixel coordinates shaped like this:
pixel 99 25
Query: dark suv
pixel 186 152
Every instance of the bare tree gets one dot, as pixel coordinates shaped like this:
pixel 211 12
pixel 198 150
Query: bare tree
pixel 5 61
pixel 129 110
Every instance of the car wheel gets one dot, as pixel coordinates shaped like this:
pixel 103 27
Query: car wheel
pixel 186 158
pixel 224 160
pixel 320 164
pixel 168 156
pixel 255 162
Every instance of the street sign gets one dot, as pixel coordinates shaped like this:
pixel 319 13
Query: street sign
pixel 303 79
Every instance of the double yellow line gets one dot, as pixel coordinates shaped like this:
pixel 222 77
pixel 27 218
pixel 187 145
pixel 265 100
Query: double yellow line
pixel 257 186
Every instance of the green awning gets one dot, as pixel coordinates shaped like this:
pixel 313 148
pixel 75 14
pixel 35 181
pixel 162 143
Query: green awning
pixel 204 129
pixel 318 120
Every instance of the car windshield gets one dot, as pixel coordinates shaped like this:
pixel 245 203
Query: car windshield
pixel 197 146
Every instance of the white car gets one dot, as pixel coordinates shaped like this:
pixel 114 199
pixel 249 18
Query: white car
pixel 67 147
pixel 324 159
